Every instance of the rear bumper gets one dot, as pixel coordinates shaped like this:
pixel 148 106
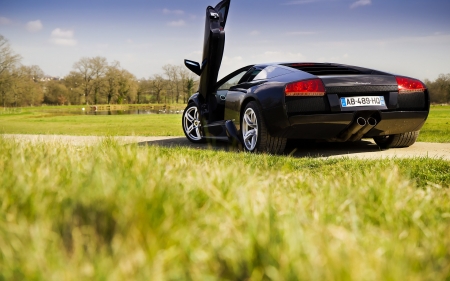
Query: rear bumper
pixel 329 126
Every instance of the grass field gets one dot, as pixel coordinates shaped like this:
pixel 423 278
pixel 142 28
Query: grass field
pixel 111 212
pixel 437 127
pixel 52 120
pixel 67 121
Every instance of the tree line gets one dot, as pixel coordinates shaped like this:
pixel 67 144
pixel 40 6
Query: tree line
pixel 439 89
pixel 94 80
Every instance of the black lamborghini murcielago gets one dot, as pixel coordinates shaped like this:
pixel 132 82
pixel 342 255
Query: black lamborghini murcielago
pixel 261 106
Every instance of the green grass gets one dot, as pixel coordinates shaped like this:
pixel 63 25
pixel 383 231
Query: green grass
pixel 111 212
pixel 50 121
pixel 437 127
pixel 38 120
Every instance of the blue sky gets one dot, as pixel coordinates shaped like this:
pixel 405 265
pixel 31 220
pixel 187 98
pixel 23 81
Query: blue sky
pixel 406 37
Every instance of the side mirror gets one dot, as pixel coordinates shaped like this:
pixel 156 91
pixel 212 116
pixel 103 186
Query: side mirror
pixel 193 66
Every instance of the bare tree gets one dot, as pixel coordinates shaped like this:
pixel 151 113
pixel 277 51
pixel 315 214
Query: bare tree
pixel 174 87
pixel 7 57
pixel 83 66
pixel 91 69
pixel 99 67
pixel 158 85
pixel 8 61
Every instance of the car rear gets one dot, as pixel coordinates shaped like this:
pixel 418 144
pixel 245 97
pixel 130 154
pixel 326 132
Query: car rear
pixel 333 104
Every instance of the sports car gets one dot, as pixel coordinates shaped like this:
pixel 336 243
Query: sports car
pixel 261 106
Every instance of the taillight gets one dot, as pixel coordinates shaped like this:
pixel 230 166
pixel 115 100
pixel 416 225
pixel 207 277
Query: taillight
pixel 313 87
pixel 409 85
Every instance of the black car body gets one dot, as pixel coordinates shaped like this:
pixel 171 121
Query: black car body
pixel 263 105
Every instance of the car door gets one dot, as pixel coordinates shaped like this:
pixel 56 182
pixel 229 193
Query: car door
pixel 213 46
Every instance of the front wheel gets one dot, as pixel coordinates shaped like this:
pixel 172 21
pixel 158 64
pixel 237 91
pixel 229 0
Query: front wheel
pixel 192 125
pixel 397 141
pixel 254 132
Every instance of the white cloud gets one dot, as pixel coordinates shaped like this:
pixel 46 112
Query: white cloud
pixel 172 12
pixel 4 21
pixel 255 33
pixel 64 41
pixel 360 3
pixel 63 37
pixel 58 32
pixel 34 26
pixel 177 23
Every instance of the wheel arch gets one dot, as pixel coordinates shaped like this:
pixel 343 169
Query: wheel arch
pixel 246 101
pixel 194 99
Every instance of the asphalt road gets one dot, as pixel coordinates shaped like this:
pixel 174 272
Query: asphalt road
pixel 365 149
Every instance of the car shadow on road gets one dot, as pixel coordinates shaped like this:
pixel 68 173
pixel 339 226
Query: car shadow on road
pixel 299 149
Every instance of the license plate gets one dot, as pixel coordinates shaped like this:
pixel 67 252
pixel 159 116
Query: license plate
pixel 362 101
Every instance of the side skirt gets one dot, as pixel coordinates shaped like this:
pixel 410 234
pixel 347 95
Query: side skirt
pixel 222 130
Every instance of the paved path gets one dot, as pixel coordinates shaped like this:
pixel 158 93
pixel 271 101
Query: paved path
pixel 364 149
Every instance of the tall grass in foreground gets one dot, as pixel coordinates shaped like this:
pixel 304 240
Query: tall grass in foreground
pixel 114 212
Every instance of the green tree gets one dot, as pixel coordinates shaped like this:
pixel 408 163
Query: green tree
pixel 112 77
pixel 56 93
pixel 143 91
pixel 189 88
pixel 187 82
pixel 32 92
pixel 127 87
pixel 73 82
pixel 439 89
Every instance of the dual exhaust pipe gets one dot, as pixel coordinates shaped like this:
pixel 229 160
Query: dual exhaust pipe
pixel 357 129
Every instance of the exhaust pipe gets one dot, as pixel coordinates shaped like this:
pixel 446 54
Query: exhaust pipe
pixel 371 122
pixel 353 129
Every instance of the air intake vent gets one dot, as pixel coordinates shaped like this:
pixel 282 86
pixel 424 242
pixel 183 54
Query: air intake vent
pixel 320 69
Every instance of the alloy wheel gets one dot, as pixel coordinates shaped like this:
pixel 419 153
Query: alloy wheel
pixel 192 124
pixel 250 129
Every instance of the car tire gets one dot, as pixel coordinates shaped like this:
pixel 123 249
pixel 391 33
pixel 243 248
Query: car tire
pixel 254 132
pixel 192 125
pixel 397 141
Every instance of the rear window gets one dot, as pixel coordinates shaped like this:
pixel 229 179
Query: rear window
pixel 324 69
pixel 272 72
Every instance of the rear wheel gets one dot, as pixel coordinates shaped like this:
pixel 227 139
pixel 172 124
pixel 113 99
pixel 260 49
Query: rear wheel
pixel 192 126
pixel 254 132
pixel 397 141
